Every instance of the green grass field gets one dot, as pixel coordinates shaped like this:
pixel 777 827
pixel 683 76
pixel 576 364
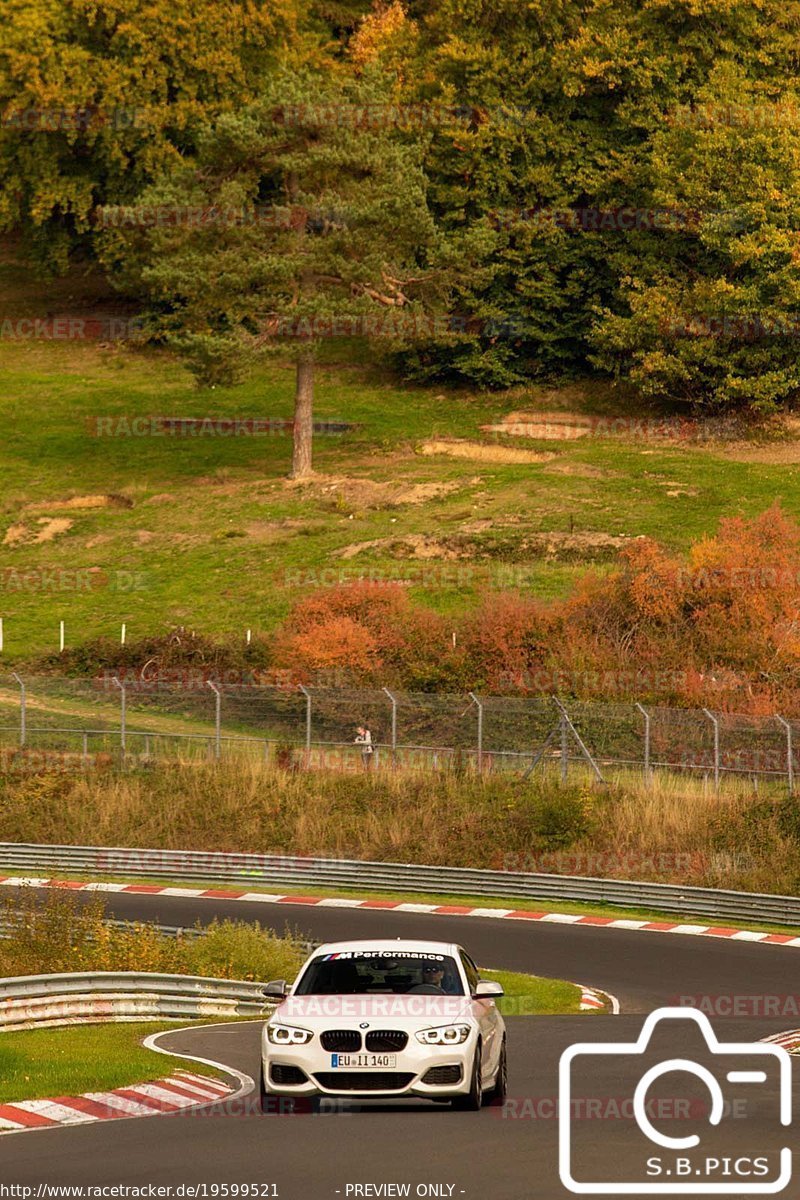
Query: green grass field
pixel 209 534
pixel 40 1064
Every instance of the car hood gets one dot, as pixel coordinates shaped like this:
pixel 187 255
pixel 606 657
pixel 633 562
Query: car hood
pixel 385 1011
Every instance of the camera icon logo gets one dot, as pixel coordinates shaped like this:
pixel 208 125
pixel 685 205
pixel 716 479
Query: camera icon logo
pixel 681 1165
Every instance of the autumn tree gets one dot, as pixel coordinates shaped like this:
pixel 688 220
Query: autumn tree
pixel 97 96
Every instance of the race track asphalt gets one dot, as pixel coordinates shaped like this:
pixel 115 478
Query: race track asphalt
pixel 497 1154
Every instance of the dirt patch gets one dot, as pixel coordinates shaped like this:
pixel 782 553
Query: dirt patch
pixel 485 452
pixel 48 529
pixel 143 536
pixel 545 426
pixel 108 501
pixel 16 535
pixel 99 539
pixel 579 470
pixel 583 545
pixel 273 531
pixel 414 545
pixel 778 453
pixel 225 487
pixel 580 544
pixel 484 524
pixel 674 487
pixel 161 498
pixel 349 492
pixel 669 430
pixel 421 492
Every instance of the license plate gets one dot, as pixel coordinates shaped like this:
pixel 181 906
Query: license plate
pixel 362 1062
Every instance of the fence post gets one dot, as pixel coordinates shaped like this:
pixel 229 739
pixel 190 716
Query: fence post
pixel 789 763
pixel 647 773
pixel 476 701
pixel 394 726
pixel 123 716
pixel 307 695
pixel 217 717
pixel 564 748
pixel 715 722
pixel 23 715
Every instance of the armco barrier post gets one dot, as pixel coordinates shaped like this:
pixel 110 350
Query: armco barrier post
pixel 789 762
pixel 477 702
pixel 23 732
pixel 217 718
pixel 715 722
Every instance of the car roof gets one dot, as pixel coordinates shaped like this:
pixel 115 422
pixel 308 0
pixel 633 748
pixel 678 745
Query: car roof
pixel 380 944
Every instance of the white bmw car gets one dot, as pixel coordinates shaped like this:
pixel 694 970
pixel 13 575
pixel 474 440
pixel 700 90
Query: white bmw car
pixel 380 1018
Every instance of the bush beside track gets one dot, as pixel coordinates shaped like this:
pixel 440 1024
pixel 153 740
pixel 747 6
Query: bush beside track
pixel 59 933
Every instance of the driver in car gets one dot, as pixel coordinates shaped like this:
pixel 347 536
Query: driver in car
pixel 433 975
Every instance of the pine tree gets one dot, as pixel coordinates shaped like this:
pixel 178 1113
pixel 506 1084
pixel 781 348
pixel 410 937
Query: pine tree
pixel 334 236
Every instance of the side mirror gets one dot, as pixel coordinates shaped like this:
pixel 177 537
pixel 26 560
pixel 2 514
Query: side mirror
pixel 487 989
pixel 276 989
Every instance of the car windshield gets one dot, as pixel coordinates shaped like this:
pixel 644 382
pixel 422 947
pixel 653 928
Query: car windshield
pixel 397 972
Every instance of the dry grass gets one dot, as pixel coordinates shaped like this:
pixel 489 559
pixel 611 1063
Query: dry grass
pixel 677 831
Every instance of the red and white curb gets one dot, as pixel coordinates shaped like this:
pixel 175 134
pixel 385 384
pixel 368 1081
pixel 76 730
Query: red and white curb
pixel 444 910
pixel 790 1041
pixel 180 1091
pixel 591 999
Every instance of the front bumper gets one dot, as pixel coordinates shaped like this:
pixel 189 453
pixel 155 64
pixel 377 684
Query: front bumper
pixel 412 1065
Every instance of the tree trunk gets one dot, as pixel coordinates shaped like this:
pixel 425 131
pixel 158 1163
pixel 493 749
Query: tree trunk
pixel 303 419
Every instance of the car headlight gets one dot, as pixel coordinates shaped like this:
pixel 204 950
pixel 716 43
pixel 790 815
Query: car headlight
pixel 444 1035
pixel 288 1035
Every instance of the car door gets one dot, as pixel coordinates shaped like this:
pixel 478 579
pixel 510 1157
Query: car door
pixel 485 1013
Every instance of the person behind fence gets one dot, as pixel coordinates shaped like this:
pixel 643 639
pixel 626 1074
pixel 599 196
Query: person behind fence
pixel 364 740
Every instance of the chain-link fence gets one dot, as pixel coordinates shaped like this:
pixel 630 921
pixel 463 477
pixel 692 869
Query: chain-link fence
pixel 50 720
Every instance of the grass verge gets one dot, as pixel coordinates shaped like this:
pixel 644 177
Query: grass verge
pixel 531 996
pixel 37 1064
pixel 571 908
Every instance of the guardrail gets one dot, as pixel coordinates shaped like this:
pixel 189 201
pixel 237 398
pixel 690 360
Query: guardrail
pixel 8 926
pixel 43 1001
pixel 276 870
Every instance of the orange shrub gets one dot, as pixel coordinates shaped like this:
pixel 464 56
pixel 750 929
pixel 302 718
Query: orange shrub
pixel 370 630
pixel 506 643
pixel 720 628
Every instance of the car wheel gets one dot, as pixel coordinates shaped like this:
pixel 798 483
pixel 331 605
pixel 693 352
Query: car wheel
pixel 499 1091
pixel 472 1100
